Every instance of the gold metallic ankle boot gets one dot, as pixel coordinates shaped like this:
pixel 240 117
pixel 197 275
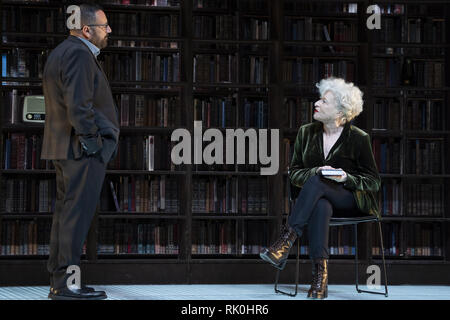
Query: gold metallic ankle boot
pixel 278 252
pixel 319 284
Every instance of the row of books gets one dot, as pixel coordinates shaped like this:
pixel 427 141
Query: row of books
pixel 212 4
pixel 215 111
pixel 299 111
pixel 230 195
pixel 215 68
pixel 221 112
pixel 253 5
pixel 413 30
pixel 158 44
pixel 308 29
pixel 256 29
pixel 225 27
pixel 425 9
pixel 20 63
pixel 143 152
pixel 210 237
pixel 148 111
pixel 248 5
pixel 424 156
pixel 392 8
pixel 141 66
pixel 389 199
pixel 215 27
pixel 255 114
pixel 301 7
pixel 53 20
pixel 223 68
pixel 409 239
pixel 152 3
pixel 386 114
pixel 144 24
pixel 426 30
pixel 25 237
pixel 140 194
pixel 255 70
pixel 134 153
pixel 423 199
pixel 22 151
pixel 28 195
pixel 340 241
pixel 38 21
pixel 120 237
pixel 391 239
pixel 423 239
pixel 254 235
pixel 392 31
pixel 32 237
pixel 307 71
pixel 300 49
pixel 386 72
pixel 425 114
pixel 427 74
pixel 386 152
pixel 12 105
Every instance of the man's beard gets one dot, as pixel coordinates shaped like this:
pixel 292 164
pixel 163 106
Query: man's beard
pixel 100 43
pixel 104 42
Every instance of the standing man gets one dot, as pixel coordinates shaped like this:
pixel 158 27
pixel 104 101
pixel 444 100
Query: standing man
pixel 80 136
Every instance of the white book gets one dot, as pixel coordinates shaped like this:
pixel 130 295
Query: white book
pixel 162 192
pixel 14 105
pixel 151 153
pixel 331 172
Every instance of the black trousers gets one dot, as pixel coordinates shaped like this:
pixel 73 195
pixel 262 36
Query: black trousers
pixel 319 200
pixel 78 186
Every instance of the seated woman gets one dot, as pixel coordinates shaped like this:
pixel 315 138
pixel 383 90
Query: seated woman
pixel 329 143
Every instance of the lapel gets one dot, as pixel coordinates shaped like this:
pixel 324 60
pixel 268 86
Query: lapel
pixel 74 38
pixel 318 137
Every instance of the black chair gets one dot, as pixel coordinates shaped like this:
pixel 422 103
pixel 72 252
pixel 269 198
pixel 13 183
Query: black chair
pixel 293 193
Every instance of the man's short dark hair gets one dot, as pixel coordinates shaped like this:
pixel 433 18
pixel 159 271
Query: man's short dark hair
pixel 87 13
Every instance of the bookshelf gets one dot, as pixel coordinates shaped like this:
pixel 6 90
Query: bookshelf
pixel 232 64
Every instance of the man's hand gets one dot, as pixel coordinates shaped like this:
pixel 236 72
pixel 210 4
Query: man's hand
pixel 342 178
pixel 90 145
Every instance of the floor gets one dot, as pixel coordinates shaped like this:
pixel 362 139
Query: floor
pixel 234 292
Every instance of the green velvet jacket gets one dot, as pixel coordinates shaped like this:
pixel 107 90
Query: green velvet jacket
pixel 352 152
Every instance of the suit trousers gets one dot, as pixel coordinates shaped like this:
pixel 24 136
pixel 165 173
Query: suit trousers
pixel 320 199
pixel 78 187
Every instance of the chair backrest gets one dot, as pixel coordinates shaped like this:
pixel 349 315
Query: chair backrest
pixel 294 191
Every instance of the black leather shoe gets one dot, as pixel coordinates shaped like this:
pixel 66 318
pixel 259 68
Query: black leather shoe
pixel 85 289
pixel 85 293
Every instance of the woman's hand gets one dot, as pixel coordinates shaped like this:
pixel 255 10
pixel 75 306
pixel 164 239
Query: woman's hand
pixel 342 178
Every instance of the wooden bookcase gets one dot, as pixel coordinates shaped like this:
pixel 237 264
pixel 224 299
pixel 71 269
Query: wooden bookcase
pixel 246 33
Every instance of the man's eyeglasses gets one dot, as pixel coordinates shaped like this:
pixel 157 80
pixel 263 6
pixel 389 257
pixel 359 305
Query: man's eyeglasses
pixel 105 26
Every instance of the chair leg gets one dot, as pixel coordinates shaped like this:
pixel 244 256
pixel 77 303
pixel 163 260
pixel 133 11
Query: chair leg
pixel 355 227
pixel 384 262
pixel 296 275
pixel 385 293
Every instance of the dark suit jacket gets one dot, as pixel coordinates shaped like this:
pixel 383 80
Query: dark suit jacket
pixel 78 103
pixel 352 152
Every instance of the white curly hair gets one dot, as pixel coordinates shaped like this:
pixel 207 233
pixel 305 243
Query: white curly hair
pixel 348 97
